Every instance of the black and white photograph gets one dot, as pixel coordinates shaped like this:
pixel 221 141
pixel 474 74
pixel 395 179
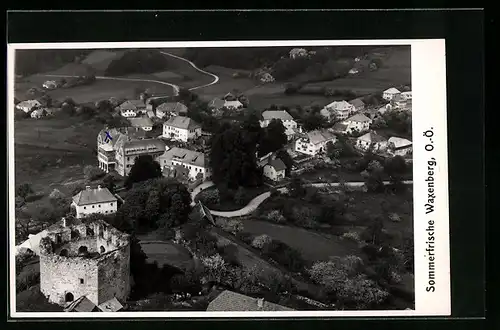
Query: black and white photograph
pixel 221 179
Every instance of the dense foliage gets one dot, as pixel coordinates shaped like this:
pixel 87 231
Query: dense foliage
pixel 137 61
pixel 39 60
pixel 144 168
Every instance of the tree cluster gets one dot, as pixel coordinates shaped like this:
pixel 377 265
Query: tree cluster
pixel 31 61
pixel 137 61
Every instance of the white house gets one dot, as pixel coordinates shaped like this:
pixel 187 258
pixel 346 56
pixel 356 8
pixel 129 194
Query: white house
pixel 406 95
pixel 359 122
pixel 194 161
pixel 38 113
pixel 132 108
pixel 390 93
pixel 314 142
pixel 181 128
pixel 28 105
pixel 90 201
pixel 128 113
pixel 143 122
pixel 399 147
pixel 275 170
pixel 358 105
pixel 49 84
pixel 339 109
pixel 169 109
pixel 291 127
pixel 371 140
pixel 233 105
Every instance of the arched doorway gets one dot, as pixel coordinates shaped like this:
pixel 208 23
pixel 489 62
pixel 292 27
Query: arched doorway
pixel 90 231
pixel 83 250
pixel 75 234
pixel 102 249
pixel 69 297
pixel 64 253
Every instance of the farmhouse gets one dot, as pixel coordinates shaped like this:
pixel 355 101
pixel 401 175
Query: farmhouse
pixel 358 105
pixel 181 128
pixel 390 93
pixel 233 105
pixel 195 162
pixel 359 123
pixel 314 142
pixel 340 110
pixel 230 301
pixel 132 108
pixel 169 109
pixel 28 105
pixel 371 140
pixel 90 201
pixel 399 147
pixel 216 104
pixel 275 170
pixel 406 95
pixel 291 127
pixel 143 122
pixel 49 84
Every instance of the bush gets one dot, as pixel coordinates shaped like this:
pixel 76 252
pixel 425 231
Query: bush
pixel 352 235
pixel 284 255
pixel 27 281
pixel 245 237
pixel 276 216
pixel 92 173
pixel 260 241
pixel 210 196
pixel 233 226
pixel 241 196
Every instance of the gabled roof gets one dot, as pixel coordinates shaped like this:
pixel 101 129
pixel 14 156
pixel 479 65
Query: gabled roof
pixel 232 301
pixel 187 156
pixel 358 118
pixel 339 105
pixel 140 122
pixel 392 90
pixel 132 105
pixel 182 122
pixel 372 137
pixel 276 114
pixel 112 305
pixel 29 103
pixel 357 103
pixel 339 127
pixel 236 103
pixel 176 107
pixel 399 142
pixel 317 136
pixel 93 196
pixel 277 164
pixel 216 103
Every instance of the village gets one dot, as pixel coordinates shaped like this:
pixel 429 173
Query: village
pixel 217 203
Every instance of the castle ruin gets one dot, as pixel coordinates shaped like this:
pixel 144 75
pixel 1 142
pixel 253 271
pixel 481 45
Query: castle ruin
pixel 84 259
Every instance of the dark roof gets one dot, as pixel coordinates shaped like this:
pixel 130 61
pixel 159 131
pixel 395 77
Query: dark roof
pixel 277 164
pixel 339 127
pixel 200 211
pixel 232 301
pixel 182 122
pixel 357 102
pixel 93 196
pixel 216 103
pixel 176 107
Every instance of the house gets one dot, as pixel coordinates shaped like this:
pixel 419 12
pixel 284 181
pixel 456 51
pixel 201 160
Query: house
pixel 359 123
pixel 233 105
pixel 406 95
pixel 275 170
pixel 291 127
pixel 229 301
pixel 128 151
pixel 390 93
pixel 314 142
pixel 196 162
pixel 143 122
pixel 263 160
pixel 398 146
pixel 132 108
pixel 337 109
pixel 371 140
pixel 90 201
pixel 28 105
pixel 181 128
pixel 38 113
pixel 216 104
pixel 150 114
pixel 82 305
pixel 177 172
pixel 229 97
pixel 50 84
pixel 112 305
pixel 358 105
pixel 400 103
pixel 169 109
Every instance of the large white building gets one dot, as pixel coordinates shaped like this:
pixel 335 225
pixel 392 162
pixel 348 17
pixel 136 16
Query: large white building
pixel 291 127
pixel 28 105
pixel 390 93
pixel 338 109
pixel 195 162
pixel 181 128
pixel 357 123
pixel 399 147
pixel 89 201
pixel 314 142
pixel 371 140
pixel 132 108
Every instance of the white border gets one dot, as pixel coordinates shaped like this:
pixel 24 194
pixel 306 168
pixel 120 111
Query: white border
pixel 429 109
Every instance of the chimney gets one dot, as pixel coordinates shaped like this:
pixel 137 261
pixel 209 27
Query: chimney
pixel 87 187
pixel 64 222
pixel 99 187
pixel 260 302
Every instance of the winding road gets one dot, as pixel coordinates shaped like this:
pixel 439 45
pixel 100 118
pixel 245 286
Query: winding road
pixel 175 87
pixel 254 203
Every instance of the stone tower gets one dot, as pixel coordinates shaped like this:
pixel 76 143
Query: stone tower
pixel 84 259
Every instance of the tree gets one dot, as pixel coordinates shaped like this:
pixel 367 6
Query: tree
pixel 313 121
pixel 240 197
pixel 396 168
pixel 144 168
pixel 373 177
pixel 296 187
pixel 104 105
pixel 24 190
pixel 253 132
pixel 233 226
pixel 260 241
pixel 374 231
pixel 211 196
pixel 109 182
pixel 274 137
pixel 92 173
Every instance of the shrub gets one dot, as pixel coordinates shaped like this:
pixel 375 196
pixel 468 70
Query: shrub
pixel 276 216
pixel 352 235
pixel 92 173
pixel 27 281
pixel 245 237
pixel 210 196
pixel 284 255
pixel 241 196
pixel 233 226
pixel 260 241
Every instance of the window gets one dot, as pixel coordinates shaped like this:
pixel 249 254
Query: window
pixel 99 205
pixel 111 204
pixel 93 206
pixel 81 281
pixel 84 207
pixel 128 158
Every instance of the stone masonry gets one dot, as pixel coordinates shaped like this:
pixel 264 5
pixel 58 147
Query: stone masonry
pixel 84 259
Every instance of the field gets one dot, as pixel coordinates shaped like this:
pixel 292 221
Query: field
pixel 313 246
pixel 396 70
pixel 167 254
pixel 99 90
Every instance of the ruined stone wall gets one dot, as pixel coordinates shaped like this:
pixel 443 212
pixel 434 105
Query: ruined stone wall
pixel 89 242
pixel 114 275
pixel 61 275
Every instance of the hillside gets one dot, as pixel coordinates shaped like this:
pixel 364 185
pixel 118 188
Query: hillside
pixel 31 61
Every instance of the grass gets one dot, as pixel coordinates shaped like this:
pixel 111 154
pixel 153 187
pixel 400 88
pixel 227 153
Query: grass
pixel 168 254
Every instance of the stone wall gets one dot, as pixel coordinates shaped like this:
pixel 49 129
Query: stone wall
pixel 114 275
pixel 62 275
